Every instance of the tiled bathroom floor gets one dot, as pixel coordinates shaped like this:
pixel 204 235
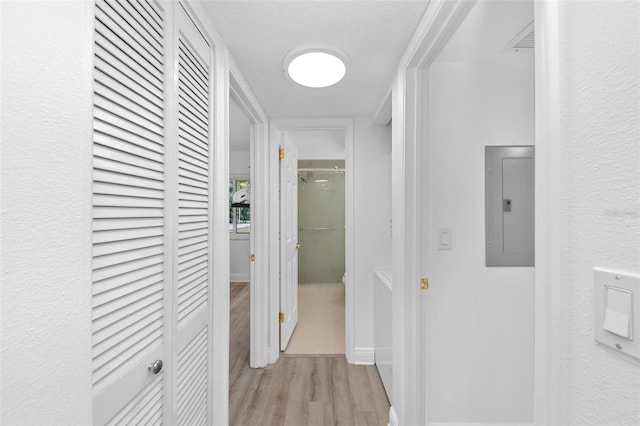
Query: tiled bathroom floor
pixel 320 329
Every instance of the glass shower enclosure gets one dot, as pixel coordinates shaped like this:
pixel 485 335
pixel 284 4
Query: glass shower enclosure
pixel 321 221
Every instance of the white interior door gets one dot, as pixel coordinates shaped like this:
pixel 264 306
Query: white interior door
pixel 129 205
pixel 192 267
pixel 152 230
pixel 288 242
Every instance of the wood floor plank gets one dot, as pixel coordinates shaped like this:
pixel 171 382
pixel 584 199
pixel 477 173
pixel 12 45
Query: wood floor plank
pixel 297 391
pixel 319 413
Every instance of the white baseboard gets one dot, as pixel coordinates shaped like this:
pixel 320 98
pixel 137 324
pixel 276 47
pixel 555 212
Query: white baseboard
pixel 393 417
pixel 240 278
pixel 363 356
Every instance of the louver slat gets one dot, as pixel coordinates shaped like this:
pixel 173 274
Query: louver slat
pixel 192 381
pixel 193 237
pixel 193 172
pixel 128 276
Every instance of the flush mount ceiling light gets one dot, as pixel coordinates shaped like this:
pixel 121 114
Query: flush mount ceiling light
pixel 316 67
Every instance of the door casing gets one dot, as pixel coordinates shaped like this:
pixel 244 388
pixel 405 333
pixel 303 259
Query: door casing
pixel 410 335
pixel 259 237
pixel 270 314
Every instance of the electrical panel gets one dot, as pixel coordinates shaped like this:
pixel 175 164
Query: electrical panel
pixel 509 205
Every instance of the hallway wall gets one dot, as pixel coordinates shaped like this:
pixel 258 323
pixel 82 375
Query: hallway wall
pixel 46 212
pixel 480 319
pixel 597 199
pixel 318 144
pixel 372 181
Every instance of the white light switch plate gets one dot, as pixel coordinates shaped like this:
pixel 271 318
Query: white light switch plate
pixel 444 239
pixel 616 297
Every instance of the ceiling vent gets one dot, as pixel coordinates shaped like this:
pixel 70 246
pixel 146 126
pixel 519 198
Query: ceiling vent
pixel 523 42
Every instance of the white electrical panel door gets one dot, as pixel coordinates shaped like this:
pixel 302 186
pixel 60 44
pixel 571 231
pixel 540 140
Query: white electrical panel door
pixel 509 205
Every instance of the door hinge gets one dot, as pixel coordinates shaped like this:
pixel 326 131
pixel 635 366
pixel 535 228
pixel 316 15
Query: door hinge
pixel 424 283
pixel 281 153
pixel 252 257
pixel 281 317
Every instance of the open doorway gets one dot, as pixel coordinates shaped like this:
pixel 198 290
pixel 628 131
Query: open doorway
pixel 321 259
pixel 239 193
pixel 479 73
pixel 239 227
pixel 320 146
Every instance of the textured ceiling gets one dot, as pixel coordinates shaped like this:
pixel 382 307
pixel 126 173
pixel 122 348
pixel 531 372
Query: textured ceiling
pixel 373 33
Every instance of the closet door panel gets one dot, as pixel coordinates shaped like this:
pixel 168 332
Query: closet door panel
pixel 128 277
pixel 193 263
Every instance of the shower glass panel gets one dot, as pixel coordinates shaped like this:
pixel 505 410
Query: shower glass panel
pixel 321 221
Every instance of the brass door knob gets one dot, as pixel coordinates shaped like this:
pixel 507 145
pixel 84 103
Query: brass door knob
pixel 298 245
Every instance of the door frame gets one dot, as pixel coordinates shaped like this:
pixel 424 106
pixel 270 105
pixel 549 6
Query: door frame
pixel 270 314
pixel 410 336
pixel 259 237
pixel 548 204
pixel 433 32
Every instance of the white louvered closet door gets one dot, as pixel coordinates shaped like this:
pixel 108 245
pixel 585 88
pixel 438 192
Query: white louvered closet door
pixel 129 270
pixel 151 281
pixel 193 268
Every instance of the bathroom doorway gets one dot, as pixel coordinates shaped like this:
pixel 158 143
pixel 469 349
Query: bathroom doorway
pixel 321 259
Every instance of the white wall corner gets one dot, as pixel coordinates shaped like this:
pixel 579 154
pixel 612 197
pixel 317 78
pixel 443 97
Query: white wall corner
pixel 393 417
pixel 382 116
pixel 363 355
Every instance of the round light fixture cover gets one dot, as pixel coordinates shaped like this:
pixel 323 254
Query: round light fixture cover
pixel 316 67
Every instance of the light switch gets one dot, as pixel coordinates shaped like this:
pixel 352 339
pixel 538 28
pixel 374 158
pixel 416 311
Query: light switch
pixel 618 311
pixel 444 239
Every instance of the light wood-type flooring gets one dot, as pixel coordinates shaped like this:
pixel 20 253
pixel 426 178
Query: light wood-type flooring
pixel 298 391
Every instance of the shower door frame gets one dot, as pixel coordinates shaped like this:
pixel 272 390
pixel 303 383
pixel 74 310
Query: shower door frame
pixel 277 130
pixel 332 171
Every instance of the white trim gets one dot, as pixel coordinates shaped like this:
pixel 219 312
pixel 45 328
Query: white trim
pixel 393 417
pixel 221 291
pixel 439 23
pixel 547 215
pixel 259 237
pixel 436 27
pixel 240 278
pixel 363 355
pixel 277 127
pixel 170 213
pixel 350 245
pixel 272 305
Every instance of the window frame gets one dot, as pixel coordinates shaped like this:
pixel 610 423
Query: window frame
pixel 234 234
